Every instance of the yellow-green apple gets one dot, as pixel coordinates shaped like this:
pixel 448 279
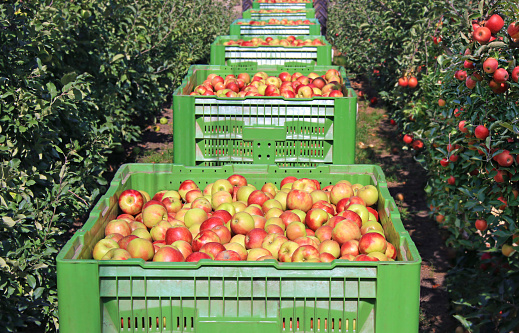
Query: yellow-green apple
pixel 350 247
pixel 369 194
pixel 295 230
pixel 118 227
pixel 319 195
pixel 223 233
pixel 232 207
pixel 273 242
pixel 158 231
pixel 173 205
pixel 254 238
pixel 168 254
pixel 287 180
pixel 340 191
pixel 244 193
pixel 371 225
pixel 315 218
pixel 263 258
pixel 271 203
pixel 331 73
pixel 330 246
pixel 220 197
pixel 197 256
pixel 372 241
pixel 141 248
pixel 195 229
pixel 222 185
pixel 153 202
pixel 181 213
pixel 212 248
pixel 175 223
pixel 204 237
pixel 102 247
pixel 186 186
pixel 183 246
pixel 242 223
pixel 178 233
pixel 390 251
pixel 195 216
pixel 254 254
pixel 153 214
pixel 238 238
pixel 117 254
pixel 348 257
pixel 275 220
pixel 228 255
pixel 298 199
pixel 379 255
pixel 307 240
pixel 282 198
pixel 286 251
pixel 361 210
pixel 131 201
pixel 142 233
pixel 202 203
pixel 273 212
pixel 305 92
pixel 373 212
pixel 305 253
pixel 116 237
pixel 344 231
pixel 207 189
pixel 145 195
pixel 323 233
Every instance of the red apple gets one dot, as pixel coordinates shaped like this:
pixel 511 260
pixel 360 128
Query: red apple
pixel 256 253
pixel 257 197
pixel 184 247
pixel 185 187
pixel 168 254
pixel 344 231
pixel 204 237
pixel 371 242
pixel 305 253
pixel 495 23
pixel 254 238
pixel 286 251
pixel 118 227
pixel 117 254
pixel 197 256
pixel 482 35
pixel 490 65
pixel 297 199
pixel 295 230
pixel 352 216
pixel 287 180
pixel 212 249
pixel 178 233
pixel 390 251
pixel 340 191
pixel 500 75
pixel 158 231
pixel 350 247
pixel 365 257
pixel 228 255
pixel 481 132
pixel 315 218
pixel 131 202
pixel 324 232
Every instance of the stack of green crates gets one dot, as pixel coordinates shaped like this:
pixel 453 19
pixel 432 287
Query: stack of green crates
pixel 265 139
pixel 220 296
pixel 269 54
pixel 300 14
pixel 238 28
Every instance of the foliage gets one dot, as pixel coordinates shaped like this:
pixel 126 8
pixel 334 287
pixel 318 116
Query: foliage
pixel 474 192
pixel 77 79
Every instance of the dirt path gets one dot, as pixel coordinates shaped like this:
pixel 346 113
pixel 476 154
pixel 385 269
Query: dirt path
pixel 404 175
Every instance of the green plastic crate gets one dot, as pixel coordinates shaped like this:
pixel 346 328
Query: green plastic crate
pixel 270 55
pixel 273 29
pixel 210 296
pixel 300 5
pixel 213 131
pixel 253 14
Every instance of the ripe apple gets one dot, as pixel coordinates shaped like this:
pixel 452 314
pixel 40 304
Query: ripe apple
pixel 325 205
pixel 371 225
pixel 515 74
pixel 158 231
pixel 238 248
pixel 153 214
pixel 197 256
pixel 118 227
pixel 222 185
pixel 228 255
pixel 295 230
pixel 256 253
pixel 344 231
pixel 482 35
pixel 195 216
pixel 273 242
pixel 141 248
pixel 352 216
pixel 204 237
pixel 500 75
pixel 350 247
pixel 254 238
pixel 211 222
pixel 168 254
pixel 369 194
pixel 315 218
pixel 116 254
pixel 242 223
pixel 305 253
pixel 219 198
pixel 257 197
pixel 286 251
pixel 202 203
pixel 297 199
pixel 481 132
pixel 326 257
pixel 186 186
pixel 102 247
pixel 495 23
pixel 504 158
pixel 142 233
pixel 184 247
pixel 371 242
pixel 129 218
pixel 490 65
pixel 131 202
pixel 361 210
pixel 115 237
pixel 365 257
pixel 178 233
pixel 212 249
pixel 173 205
pixel 340 191
pixel 323 233
pixel 390 251
pixel 331 247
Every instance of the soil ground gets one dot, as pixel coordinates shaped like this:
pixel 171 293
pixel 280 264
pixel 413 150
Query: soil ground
pixel 405 176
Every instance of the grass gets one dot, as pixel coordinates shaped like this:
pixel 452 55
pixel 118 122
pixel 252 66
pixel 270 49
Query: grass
pixel 152 156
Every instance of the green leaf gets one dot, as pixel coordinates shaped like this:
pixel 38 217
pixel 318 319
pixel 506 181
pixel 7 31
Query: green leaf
pixel 9 222
pixel 52 89
pixel 117 57
pixel 31 280
pixel 68 78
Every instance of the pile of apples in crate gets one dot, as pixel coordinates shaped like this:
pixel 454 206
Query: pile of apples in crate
pixel 288 85
pixel 276 22
pixel 283 1
pixel 270 41
pixel 277 11
pixel 231 220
